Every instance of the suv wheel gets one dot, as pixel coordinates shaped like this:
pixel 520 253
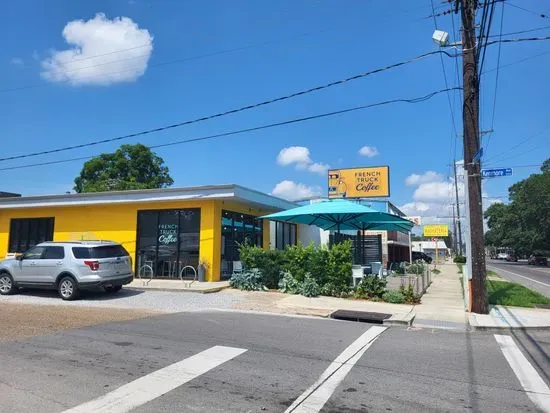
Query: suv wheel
pixel 67 288
pixel 6 284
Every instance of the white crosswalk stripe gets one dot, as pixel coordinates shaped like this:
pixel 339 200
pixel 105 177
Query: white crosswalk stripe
pixel 157 383
pixel 532 383
pixel 315 397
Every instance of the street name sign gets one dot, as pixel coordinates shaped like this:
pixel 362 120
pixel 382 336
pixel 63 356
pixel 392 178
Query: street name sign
pixel 492 173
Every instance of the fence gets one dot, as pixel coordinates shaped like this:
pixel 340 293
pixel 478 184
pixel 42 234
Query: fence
pixel 419 282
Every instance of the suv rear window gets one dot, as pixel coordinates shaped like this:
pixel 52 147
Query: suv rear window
pixel 105 251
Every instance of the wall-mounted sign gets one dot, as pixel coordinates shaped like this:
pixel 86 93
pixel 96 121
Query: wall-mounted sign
pixel 439 230
pixel 359 182
pixel 168 234
pixel 414 220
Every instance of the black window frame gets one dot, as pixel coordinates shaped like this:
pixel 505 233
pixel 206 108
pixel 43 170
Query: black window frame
pixel 285 234
pixel 20 241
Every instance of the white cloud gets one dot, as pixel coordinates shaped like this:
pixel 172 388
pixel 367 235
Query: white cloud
pixel 298 155
pixel 294 191
pixel 437 192
pixel 369 151
pixel 318 167
pixel 429 176
pixel 17 61
pixel 102 52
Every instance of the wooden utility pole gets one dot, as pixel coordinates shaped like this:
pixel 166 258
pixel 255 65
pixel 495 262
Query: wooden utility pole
pixel 457 222
pixel 472 155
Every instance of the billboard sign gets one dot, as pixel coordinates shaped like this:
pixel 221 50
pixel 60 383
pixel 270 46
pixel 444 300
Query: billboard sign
pixel 439 230
pixel 366 182
pixel 414 220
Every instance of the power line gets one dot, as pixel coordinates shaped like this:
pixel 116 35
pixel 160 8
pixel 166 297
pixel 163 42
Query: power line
pixel 231 111
pixel 490 21
pixel 515 62
pixel 543 15
pixel 520 143
pixel 520 31
pixel 257 128
pixel 496 80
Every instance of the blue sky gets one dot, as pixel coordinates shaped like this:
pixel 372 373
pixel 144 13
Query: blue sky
pixel 213 55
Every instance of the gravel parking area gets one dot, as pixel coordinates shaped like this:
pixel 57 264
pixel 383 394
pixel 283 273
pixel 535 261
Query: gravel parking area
pixel 164 301
pixel 27 320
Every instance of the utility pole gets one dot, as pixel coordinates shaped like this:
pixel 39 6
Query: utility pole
pixel 458 214
pixel 470 118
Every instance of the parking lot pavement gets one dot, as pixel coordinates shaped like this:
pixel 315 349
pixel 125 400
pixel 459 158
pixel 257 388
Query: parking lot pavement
pixel 227 362
pixel 165 301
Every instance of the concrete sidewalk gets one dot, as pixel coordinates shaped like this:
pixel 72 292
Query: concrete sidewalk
pixel 509 318
pixel 443 303
pixel 178 285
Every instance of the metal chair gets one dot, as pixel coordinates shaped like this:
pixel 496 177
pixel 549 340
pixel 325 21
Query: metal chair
pixel 356 274
pixel 237 267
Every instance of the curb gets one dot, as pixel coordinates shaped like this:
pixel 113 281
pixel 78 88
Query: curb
pixel 180 290
pixel 497 329
pixel 398 320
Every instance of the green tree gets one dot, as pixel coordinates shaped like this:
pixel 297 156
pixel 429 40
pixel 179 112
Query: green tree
pixel 129 167
pixel 524 223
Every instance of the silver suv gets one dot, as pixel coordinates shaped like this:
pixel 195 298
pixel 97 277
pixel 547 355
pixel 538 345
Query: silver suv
pixel 68 267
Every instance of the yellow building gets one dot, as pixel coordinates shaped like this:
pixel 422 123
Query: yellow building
pixel 165 231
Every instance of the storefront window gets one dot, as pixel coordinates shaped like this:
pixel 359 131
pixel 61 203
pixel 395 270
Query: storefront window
pixel 168 240
pixel 283 234
pixel 25 233
pixel 237 229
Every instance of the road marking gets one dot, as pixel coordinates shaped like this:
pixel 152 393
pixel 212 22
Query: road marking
pixel 157 383
pixel 518 275
pixel 534 386
pixel 315 397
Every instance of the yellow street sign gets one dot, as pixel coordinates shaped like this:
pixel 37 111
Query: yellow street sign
pixel 439 230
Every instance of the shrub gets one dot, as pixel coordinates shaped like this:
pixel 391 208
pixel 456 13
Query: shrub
pixel 460 259
pixel 272 267
pixel 309 287
pixel 289 284
pixel 371 286
pixel 338 271
pixel 436 271
pixel 319 263
pixel 297 260
pixel 394 297
pixel 409 294
pixel 269 262
pixel 251 280
pixel 251 255
pixel 417 269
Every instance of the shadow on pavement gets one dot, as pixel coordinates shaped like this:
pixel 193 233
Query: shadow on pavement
pixel 84 295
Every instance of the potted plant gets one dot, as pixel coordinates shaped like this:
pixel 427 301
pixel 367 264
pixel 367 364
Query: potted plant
pixel 203 269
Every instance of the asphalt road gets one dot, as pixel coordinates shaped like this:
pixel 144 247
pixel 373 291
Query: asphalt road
pixel 236 362
pixel 534 277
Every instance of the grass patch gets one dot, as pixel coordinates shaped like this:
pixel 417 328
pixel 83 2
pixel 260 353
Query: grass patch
pixel 436 271
pixel 507 293
pixel 459 265
pixel 493 274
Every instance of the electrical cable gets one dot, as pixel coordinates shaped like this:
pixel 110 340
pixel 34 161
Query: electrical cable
pixel 543 15
pixel 257 128
pixel 231 111
pixel 490 21
pixel 517 145
pixel 496 81
pixel 521 31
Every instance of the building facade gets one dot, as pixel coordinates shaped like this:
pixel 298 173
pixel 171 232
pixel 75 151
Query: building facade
pixel 165 231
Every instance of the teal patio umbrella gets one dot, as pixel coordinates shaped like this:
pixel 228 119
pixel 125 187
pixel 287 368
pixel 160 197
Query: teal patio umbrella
pixel 341 215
